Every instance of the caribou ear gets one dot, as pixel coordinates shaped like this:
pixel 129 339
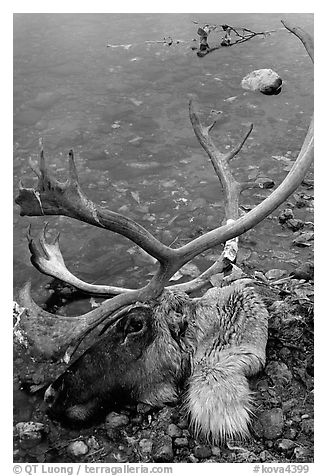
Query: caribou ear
pixel 175 306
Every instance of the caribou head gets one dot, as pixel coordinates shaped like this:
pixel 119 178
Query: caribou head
pixel 156 340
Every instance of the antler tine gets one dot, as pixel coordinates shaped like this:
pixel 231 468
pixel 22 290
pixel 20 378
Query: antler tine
pixel 230 155
pixel 306 39
pixel 47 258
pixel 73 176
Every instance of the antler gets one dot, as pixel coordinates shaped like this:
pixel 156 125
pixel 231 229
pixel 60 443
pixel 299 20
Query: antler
pixel 51 335
pixel 52 197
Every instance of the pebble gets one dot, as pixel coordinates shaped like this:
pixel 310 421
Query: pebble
pixel 146 445
pixel 77 448
pixel 116 420
pixel 302 453
pixel 304 271
pixel 215 450
pixel 29 430
pixel 294 224
pixel 93 443
pixel 180 442
pixel 264 456
pixel 269 424
pixel 279 373
pixel 307 426
pixel 192 459
pixel 285 445
pixel 275 273
pixel 173 431
pixel 202 451
pixel 163 450
pixel 286 214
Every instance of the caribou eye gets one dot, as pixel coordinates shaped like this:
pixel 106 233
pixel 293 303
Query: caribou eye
pixel 133 325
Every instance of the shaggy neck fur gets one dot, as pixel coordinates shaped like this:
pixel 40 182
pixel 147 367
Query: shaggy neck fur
pixel 226 337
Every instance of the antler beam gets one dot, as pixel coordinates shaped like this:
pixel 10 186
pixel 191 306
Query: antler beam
pixel 52 197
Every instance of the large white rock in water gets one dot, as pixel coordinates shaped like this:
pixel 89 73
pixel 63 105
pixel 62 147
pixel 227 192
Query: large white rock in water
pixel 266 81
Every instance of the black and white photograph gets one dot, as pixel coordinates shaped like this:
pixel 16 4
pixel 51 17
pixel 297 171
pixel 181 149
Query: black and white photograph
pixel 163 227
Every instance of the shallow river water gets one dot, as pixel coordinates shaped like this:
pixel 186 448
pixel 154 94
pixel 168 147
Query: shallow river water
pixel 124 111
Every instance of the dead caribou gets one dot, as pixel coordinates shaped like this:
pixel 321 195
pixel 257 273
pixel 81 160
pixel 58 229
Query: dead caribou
pixel 156 340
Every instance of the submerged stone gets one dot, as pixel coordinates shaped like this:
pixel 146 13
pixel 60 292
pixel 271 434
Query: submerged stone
pixel 266 81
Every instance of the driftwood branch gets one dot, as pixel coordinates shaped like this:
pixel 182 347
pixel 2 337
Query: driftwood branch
pixel 241 35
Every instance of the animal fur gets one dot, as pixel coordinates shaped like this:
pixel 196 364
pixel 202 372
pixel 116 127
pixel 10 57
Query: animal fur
pixel 228 336
pixel 208 346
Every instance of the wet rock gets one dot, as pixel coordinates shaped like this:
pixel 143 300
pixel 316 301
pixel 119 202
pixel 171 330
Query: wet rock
pixel 307 426
pixel 116 420
pixel 303 239
pixel 302 454
pixel 77 448
pixel 29 430
pixel 146 445
pixel 192 459
pixel 275 273
pixel 285 445
pixel 269 424
pixel 304 271
pixel 181 442
pixel 173 431
pixel 215 450
pixel 265 456
pixel 294 224
pixel 279 373
pixel 163 450
pixel 266 81
pixel 202 451
pixel 286 214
